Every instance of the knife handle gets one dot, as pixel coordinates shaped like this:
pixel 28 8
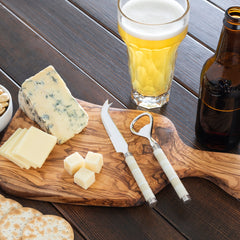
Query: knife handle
pixel 171 174
pixel 140 179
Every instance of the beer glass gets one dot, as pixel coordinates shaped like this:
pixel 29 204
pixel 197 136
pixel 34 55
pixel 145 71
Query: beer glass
pixel 152 31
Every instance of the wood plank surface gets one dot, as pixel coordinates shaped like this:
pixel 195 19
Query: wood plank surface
pixel 199 24
pixel 23 42
pixel 59 24
pixel 19 51
pixel 225 4
pixel 213 214
pixel 122 223
pixel 22 67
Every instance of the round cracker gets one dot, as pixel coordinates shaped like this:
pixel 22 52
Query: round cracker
pixel 1 196
pixel 13 223
pixel 7 204
pixel 48 227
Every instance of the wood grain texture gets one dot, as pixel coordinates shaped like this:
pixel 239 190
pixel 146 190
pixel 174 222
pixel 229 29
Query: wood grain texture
pixel 23 53
pixel 19 64
pixel 141 223
pixel 105 11
pixel 91 45
pixel 44 207
pixel 212 214
pixel 115 186
pixel 225 4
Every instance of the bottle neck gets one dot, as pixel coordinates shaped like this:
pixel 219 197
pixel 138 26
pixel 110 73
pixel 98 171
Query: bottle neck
pixel 229 41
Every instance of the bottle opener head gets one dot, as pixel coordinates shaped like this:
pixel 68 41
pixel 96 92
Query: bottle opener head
pixel 146 130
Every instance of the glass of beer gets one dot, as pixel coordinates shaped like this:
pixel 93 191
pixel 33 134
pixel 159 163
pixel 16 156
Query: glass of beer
pixel 152 31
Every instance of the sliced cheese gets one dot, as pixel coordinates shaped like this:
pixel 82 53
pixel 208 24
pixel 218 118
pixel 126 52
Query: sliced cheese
pixel 94 161
pixel 34 147
pixel 9 151
pixel 9 146
pixel 84 178
pixel 73 163
pixel 46 100
pixel 10 139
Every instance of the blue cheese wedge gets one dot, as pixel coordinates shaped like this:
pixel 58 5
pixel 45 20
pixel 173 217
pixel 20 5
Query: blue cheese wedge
pixel 46 100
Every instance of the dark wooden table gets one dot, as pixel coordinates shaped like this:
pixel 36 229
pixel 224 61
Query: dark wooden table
pixel 80 38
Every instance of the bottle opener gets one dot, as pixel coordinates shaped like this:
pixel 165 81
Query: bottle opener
pixel 146 131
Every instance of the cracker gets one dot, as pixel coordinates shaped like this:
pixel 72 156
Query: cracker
pixel 4 97
pixel 6 204
pixel 1 196
pixel 4 104
pixel 13 223
pixel 48 227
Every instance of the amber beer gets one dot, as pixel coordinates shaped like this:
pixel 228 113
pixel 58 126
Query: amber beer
pixel 152 31
pixel 218 116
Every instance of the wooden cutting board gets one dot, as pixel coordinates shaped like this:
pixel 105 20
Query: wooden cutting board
pixel 115 185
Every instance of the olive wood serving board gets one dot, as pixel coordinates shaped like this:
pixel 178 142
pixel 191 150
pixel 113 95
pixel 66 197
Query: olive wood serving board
pixel 114 185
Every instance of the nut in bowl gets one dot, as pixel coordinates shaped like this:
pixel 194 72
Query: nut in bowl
pixel 6 107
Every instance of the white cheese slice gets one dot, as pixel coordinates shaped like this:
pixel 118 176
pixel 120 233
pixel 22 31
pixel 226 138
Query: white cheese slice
pixel 9 146
pixel 34 147
pixel 84 178
pixel 46 100
pixel 73 163
pixel 9 151
pixel 94 161
pixel 9 140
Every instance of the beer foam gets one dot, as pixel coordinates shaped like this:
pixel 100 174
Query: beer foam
pixel 153 19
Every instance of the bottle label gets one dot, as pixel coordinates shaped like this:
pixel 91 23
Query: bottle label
pixel 220 95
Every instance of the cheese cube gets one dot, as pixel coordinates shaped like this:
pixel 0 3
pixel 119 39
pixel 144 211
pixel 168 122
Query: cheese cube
pixel 34 147
pixel 94 161
pixel 73 162
pixel 84 178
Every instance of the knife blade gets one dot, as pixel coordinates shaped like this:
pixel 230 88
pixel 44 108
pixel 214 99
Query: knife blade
pixel 121 145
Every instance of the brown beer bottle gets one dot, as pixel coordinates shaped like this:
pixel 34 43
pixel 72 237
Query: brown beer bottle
pixel 218 115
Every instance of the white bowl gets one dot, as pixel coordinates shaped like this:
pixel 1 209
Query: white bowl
pixel 7 116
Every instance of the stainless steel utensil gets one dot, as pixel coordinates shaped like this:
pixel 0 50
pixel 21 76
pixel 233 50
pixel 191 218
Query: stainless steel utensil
pixel 120 145
pixel 146 131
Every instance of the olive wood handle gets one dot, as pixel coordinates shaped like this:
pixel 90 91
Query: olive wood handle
pixel 223 169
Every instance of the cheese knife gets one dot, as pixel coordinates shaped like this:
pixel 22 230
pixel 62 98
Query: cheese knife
pixel 121 145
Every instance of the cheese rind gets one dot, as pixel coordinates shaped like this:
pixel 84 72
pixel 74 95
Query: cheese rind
pixel 34 147
pixel 84 178
pixel 46 100
pixel 73 163
pixel 94 161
